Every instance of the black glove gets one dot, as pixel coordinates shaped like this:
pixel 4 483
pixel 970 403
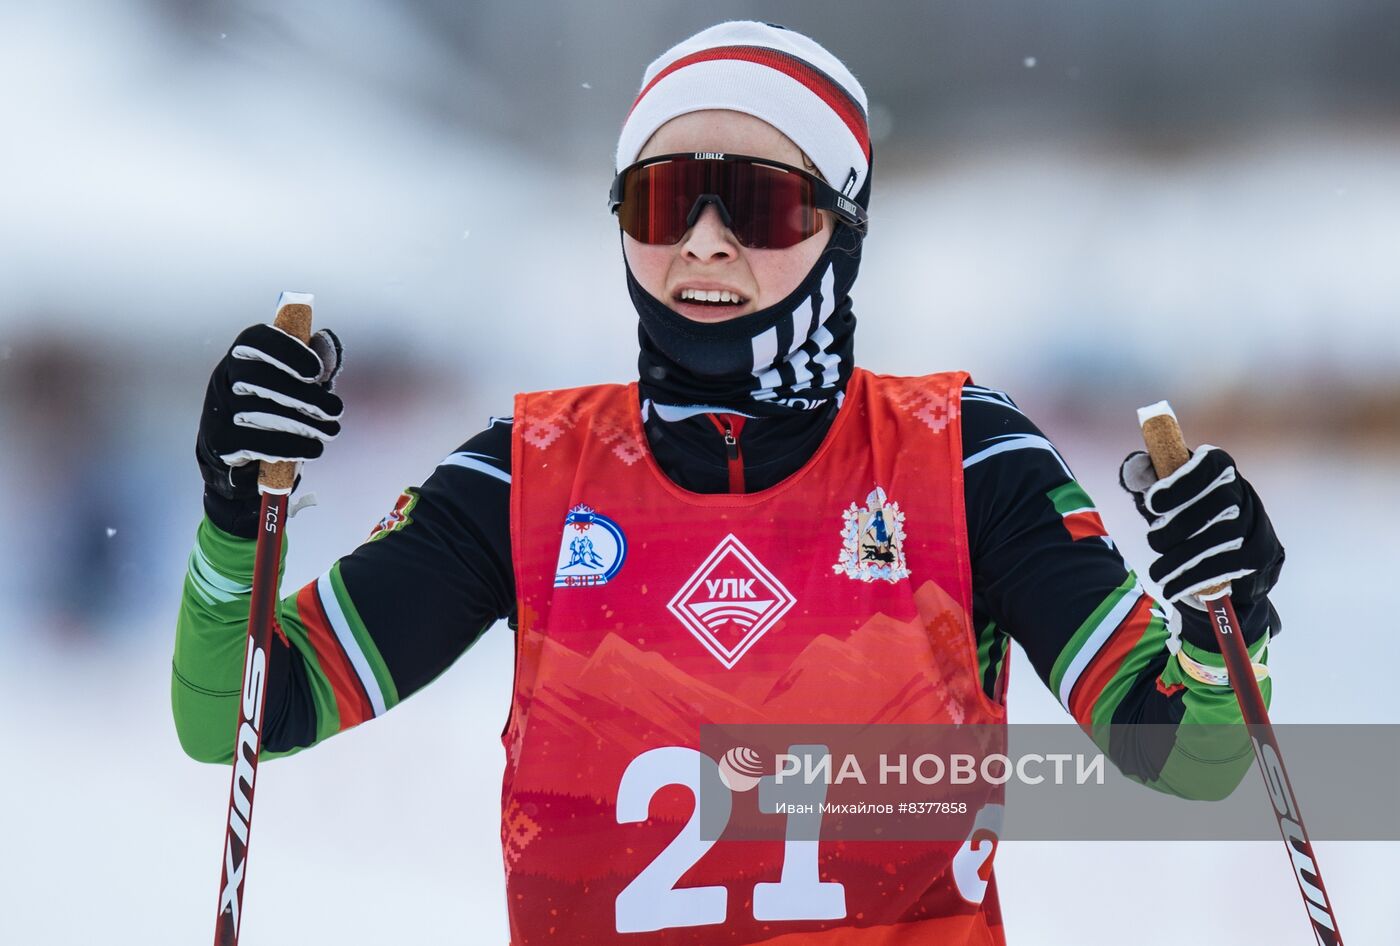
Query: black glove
pixel 268 399
pixel 1207 525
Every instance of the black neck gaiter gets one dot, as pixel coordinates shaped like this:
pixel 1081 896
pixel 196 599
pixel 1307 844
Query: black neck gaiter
pixel 793 356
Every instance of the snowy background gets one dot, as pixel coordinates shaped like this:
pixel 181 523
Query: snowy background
pixel 1092 205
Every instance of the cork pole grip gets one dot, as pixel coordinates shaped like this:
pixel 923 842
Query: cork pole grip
pixel 294 318
pixel 1167 448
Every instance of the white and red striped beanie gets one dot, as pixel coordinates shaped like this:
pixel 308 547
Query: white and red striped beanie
pixel 782 77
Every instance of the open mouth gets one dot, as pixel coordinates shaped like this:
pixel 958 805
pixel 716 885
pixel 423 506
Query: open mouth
pixel 718 298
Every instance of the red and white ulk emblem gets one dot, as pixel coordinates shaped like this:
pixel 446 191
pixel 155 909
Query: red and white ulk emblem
pixel 731 601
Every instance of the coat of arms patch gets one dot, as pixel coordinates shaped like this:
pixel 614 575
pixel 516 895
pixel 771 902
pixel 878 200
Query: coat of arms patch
pixel 873 540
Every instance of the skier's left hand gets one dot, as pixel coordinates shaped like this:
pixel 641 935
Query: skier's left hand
pixel 1207 525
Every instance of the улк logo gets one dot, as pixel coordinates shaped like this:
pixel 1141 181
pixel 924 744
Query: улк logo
pixel 731 601
pixel 873 540
pixel 592 550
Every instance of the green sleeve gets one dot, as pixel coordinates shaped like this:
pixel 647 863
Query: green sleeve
pixel 1212 753
pixel 1121 682
pixel 210 641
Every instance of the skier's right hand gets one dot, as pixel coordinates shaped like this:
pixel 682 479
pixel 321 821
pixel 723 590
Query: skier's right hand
pixel 269 398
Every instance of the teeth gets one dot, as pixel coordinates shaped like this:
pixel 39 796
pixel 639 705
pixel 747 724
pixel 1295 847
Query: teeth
pixel 711 295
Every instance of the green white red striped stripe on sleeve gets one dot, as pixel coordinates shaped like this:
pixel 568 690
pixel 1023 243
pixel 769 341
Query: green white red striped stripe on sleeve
pixel 1077 510
pixel 1108 651
pixel 355 681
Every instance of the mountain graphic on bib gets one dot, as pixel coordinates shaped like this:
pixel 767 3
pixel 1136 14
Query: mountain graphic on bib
pixel 639 699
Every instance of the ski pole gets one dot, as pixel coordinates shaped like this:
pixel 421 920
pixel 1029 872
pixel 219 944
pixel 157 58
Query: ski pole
pixel 1167 448
pixel 275 481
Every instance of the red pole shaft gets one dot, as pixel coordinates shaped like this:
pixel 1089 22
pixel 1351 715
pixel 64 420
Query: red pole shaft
pixel 248 738
pixel 1266 750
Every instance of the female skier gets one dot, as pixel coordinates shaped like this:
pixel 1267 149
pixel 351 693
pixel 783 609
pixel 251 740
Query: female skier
pixel 755 530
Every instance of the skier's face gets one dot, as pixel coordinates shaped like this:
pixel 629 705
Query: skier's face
pixel 709 257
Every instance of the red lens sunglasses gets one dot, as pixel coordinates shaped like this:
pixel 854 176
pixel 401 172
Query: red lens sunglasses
pixel 766 205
